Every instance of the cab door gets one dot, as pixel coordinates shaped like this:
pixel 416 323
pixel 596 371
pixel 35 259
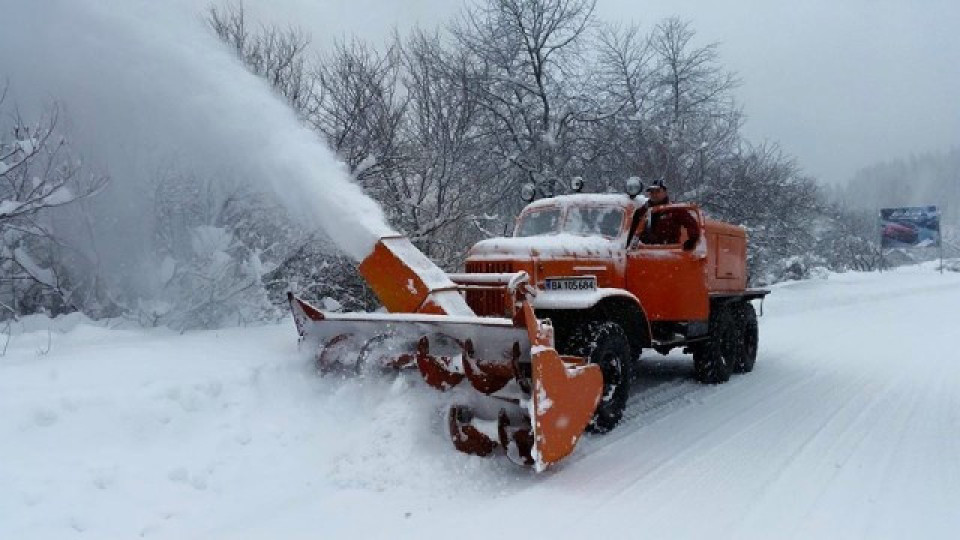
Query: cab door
pixel 671 283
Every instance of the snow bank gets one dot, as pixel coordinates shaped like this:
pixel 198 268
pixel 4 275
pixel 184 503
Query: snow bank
pixel 121 433
pixel 846 429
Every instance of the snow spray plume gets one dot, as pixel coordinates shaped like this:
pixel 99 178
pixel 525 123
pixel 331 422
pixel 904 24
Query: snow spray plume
pixel 147 87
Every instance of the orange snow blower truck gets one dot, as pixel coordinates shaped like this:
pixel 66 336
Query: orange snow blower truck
pixel 542 326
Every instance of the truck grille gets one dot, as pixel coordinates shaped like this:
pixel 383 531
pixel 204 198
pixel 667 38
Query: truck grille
pixel 492 303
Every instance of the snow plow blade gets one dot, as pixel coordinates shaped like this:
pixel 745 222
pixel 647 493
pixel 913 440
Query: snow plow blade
pixel 528 402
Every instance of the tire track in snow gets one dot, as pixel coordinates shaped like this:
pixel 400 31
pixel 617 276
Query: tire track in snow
pixel 623 463
pixel 859 299
pixel 824 412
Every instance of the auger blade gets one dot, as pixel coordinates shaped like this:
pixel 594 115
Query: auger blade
pixel 439 371
pixel 433 343
pixel 465 435
pixel 551 398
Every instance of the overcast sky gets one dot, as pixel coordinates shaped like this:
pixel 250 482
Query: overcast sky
pixel 841 84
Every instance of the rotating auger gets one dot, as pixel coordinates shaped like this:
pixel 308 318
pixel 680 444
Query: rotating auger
pixel 532 403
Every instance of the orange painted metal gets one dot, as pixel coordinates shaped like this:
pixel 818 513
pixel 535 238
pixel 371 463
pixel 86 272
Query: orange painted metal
pixel 399 286
pixel 671 284
pixel 560 396
pixel 728 257
pixel 465 436
pixel 487 377
pixel 435 370
pixel 564 396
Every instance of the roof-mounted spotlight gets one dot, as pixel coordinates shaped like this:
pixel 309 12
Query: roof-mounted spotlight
pixel 528 192
pixel 576 184
pixel 634 186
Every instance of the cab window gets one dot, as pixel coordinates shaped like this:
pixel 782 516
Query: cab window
pixel 594 220
pixel 539 222
pixel 667 226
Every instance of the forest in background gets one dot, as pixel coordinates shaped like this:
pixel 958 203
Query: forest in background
pixel 441 127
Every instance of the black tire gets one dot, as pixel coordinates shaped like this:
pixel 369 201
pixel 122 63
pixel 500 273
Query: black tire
pixel 605 344
pixel 748 334
pixel 713 359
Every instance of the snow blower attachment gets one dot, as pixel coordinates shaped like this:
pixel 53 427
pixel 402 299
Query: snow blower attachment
pixel 530 403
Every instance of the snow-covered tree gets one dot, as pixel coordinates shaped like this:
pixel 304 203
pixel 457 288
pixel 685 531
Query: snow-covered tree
pixel 39 178
pixel 533 83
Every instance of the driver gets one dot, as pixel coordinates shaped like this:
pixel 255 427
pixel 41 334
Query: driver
pixel 664 227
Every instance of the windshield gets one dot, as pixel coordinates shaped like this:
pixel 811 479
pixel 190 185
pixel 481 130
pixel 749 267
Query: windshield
pixel 537 222
pixel 594 220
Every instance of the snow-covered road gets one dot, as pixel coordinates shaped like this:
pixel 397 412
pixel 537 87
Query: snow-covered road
pixel 848 428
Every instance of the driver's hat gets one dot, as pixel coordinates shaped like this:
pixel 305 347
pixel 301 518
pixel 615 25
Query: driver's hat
pixel 655 185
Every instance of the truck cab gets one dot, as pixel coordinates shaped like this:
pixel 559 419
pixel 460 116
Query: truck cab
pixel 595 268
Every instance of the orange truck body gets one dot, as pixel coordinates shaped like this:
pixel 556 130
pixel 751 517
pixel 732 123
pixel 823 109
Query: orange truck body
pixel 671 289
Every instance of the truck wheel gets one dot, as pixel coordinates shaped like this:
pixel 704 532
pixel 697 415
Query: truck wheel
pixel 605 344
pixel 713 360
pixel 746 321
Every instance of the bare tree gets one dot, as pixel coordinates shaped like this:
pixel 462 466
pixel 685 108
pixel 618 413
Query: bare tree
pixel 697 117
pixel 453 182
pixel 361 110
pixel 278 54
pixel 623 144
pixel 764 190
pixel 38 176
pixel 443 131
pixel 531 83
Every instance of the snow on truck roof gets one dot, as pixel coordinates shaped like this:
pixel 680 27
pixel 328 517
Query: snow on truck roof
pixel 552 245
pixel 620 199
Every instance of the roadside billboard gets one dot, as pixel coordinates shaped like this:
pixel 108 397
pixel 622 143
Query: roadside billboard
pixel 914 226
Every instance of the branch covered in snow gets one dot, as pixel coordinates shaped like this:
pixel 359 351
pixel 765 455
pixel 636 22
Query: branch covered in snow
pixel 38 176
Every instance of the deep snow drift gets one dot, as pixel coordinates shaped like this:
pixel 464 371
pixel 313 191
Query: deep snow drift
pixel 848 428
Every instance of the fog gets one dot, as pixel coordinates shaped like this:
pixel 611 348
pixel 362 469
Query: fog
pixel 151 90
pixel 841 85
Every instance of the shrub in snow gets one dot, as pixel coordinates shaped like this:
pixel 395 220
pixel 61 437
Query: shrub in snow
pixel 807 266
pixel 229 257
pixel 322 276
pixel 218 283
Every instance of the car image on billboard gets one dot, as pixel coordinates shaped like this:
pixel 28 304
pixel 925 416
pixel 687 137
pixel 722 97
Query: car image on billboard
pixel 917 226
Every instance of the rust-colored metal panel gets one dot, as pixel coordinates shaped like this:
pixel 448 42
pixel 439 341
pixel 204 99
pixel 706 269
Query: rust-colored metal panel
pixel 399 288
pixel 670 283
pixel 609 273
pixel 406 281
pixel 490 302
pixel 727 256
pixel 564 396
pixel 730 260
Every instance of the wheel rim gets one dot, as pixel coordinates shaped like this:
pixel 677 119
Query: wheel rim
pixel 611 367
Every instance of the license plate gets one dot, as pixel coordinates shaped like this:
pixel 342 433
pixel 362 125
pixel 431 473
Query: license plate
pixel 588 283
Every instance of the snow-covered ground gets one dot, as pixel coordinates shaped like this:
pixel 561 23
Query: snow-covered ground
pixel 848 428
